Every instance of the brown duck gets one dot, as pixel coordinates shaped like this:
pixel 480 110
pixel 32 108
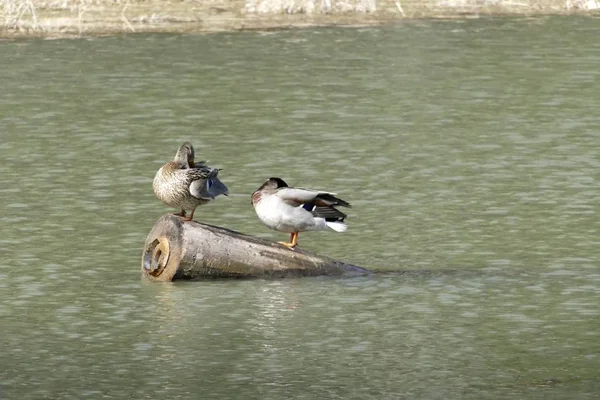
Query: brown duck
pixel 184 184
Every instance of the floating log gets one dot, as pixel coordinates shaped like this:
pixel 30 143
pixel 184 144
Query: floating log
pixel 178 249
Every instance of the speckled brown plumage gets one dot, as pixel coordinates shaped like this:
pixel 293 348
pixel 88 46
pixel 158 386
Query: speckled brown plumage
pixel 184 184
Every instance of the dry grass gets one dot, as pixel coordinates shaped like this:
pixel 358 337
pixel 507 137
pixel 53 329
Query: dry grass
pixel 309 6
pixel 414 7
pixel 20 15
pixel 91 17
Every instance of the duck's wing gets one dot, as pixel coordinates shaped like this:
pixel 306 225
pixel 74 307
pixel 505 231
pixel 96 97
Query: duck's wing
pixel 296 196
pixel 299 196
pixel 199 164
pixel 205 184
pixel 329 213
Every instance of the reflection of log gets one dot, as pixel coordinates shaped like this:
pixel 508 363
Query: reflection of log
pixel 177 249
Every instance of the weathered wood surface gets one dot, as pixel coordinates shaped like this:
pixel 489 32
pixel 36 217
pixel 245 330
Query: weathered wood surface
pixel 177 249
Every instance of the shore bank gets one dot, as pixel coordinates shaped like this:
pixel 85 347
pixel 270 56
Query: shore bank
pixel 73 18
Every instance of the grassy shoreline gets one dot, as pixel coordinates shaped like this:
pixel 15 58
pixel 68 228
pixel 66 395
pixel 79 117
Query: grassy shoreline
pixel 74 18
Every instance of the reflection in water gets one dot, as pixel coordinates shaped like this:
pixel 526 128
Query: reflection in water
pixel 468 149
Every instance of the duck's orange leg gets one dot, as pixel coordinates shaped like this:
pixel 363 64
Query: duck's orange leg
pixel 191 215
pixel 293 241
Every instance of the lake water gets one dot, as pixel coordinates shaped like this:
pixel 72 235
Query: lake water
pixel 470 151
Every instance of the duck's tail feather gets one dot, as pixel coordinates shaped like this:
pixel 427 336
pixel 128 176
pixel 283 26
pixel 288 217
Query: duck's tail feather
pixel 337 226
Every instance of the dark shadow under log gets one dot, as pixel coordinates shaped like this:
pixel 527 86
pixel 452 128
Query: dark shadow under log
pixel 177 249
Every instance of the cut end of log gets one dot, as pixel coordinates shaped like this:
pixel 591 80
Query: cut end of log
pixel 177 249
pixel 162 252
pixel 156 256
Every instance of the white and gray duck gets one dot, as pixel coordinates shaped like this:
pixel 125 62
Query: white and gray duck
pixel 293 210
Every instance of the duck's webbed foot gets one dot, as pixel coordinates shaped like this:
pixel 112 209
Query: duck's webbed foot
pixel 190 217
pixel 293 241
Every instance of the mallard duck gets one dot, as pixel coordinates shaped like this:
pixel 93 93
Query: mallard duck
pixel 184 184
pixel 292 210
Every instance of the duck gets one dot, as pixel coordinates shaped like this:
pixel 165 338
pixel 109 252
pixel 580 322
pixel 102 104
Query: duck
pixel 293 210
pixel 185 184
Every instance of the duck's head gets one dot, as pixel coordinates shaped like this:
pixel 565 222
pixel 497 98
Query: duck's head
pixel 269 187
pixel 185 155
pixel 273 183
